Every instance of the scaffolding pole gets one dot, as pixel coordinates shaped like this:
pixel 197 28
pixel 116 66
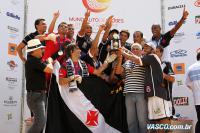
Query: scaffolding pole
pixel 22 128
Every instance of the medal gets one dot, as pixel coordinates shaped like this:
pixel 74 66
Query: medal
pixel 60 52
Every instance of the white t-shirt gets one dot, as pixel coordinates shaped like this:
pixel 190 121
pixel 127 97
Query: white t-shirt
pixel 193 81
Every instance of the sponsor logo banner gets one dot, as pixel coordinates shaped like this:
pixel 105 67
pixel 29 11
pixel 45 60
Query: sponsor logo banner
pixel 12 29
pixel 12 65
pixel 198 35
pixel 197 19
pixel 15 2
pixel 179 68
pixel 172 23
pixel 12 82
pixel 179 82
pixel 178 53
pixel 12 49
pixel 10 101
pixel 176 7
pixel 12 15
pixel 181 101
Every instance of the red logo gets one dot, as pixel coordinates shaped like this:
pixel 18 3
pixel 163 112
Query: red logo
pixel 96 5
pixel 197 3
pixel 12 64
pixel 92 118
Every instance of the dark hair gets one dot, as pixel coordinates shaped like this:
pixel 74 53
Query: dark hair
pixel 141 34
pixel 156 25
pixel 37 22
pixel 198 56
pixel 70 25
pixel 70 48
pixel 160 48
pixel 61 24
pixel 125 31
pixel 113 31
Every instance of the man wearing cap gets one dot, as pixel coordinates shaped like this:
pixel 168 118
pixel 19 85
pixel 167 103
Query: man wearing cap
pixel 155 94
pixel 193 83
pixel 35 84
pixel 136 104
pixel 164 39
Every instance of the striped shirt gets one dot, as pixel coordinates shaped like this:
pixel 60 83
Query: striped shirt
pixel 30 37
pixel 134 77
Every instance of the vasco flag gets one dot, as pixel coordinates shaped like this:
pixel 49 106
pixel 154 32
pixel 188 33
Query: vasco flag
pixel 88 108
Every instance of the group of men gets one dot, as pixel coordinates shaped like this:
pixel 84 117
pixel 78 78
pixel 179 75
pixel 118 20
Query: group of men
pixel 139 67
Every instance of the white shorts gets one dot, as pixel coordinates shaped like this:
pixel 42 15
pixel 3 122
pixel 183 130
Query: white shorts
pixel 159 108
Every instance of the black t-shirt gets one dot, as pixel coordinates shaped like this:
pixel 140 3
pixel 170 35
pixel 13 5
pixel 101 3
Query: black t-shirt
pixel 153 77
pixel 128 46
pixel 30 37
pixel 164 39
pixel 84 43
pixel 167 69
pixel 34 73
pixel 103 50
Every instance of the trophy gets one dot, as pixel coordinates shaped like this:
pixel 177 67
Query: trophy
pixel 115 42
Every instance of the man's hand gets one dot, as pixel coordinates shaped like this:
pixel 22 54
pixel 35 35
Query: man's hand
pixel 110 58
pixel 51 37
pixel 78 78
pixel 102 27
pixel 24 60
pixel 185 14
pixel 109 22
pixel 56 14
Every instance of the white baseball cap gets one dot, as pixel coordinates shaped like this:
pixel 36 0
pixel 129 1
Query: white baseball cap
pixel 136 45
pixel 151 44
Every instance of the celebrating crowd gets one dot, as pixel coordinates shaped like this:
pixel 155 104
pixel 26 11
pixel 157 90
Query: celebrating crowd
pixel 138 71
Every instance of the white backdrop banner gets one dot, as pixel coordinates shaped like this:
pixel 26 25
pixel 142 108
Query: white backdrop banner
pixel 182 51
pixel 11 30
pixel 128 14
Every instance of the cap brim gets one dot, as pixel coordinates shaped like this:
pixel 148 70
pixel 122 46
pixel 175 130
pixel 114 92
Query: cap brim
pixel 30 50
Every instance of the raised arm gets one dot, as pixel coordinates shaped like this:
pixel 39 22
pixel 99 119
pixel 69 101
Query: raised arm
pixel 53 22
pixel 131 57
pixel 180 22
pixel 84 23
pixel 108 60
pixel 95 42
pixel 107 29
pixel 119 68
